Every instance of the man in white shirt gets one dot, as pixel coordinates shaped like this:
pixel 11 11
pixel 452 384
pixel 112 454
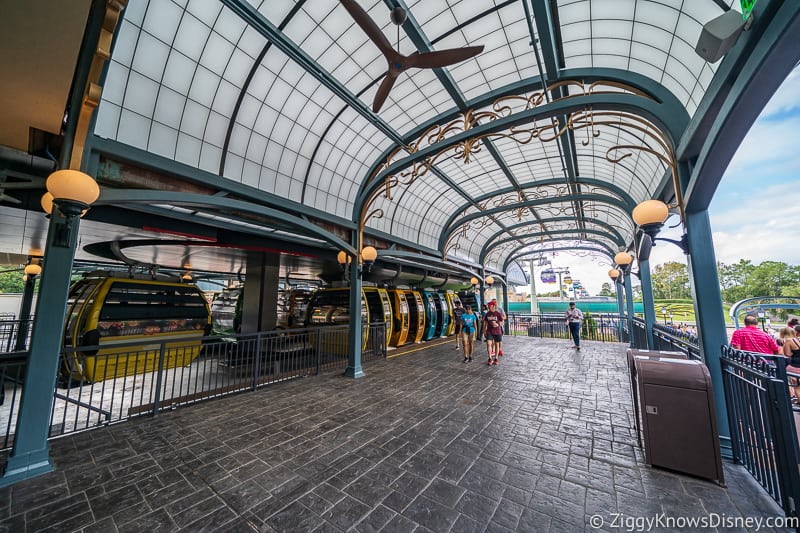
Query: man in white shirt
pixel 574 320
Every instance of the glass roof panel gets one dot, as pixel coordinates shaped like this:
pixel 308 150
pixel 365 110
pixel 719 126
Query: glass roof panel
pixel 179 70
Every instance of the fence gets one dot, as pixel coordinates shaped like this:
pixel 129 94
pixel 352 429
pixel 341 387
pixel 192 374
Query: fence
pixel 666 339
pixel 762 424
pixel 600 327
pixel 165 376
pixel 14 334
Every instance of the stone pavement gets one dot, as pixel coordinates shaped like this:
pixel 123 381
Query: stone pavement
pixel 541 442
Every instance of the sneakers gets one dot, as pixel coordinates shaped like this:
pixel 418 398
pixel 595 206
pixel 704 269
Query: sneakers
pixel 458 347
pixel 470 359
pixel 490 361
pixel 500 353
pixel 494 362
pixel 465 359
pixel 578 348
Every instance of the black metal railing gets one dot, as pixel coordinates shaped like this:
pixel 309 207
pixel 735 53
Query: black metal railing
pixel 762 425
pixel 96 388
pixel 12 370
pixel 600 327
pixel 14 334
pixel 666 339
pixel 672 340
pixel 639 334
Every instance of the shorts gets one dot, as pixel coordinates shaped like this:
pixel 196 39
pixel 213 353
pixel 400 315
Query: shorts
pixel 458 328
pixel 495 338
pixel 468 335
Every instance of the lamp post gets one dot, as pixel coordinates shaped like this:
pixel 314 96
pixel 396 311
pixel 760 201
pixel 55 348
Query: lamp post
pixel 762 318
pixel 664 313
pixel 356 268
pixel 32 269
pixel 72 193
pixel 624 260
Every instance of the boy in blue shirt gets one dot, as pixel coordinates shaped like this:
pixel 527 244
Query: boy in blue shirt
pixel 469 325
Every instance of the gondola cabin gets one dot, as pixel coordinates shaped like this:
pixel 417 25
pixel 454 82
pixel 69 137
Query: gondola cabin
pixel 223 312
pixel 380 308
pixel 416 316
pixel 442 314
pixel 430 307
pixel 331 307
pixel 450 299
pixel 110 312
pixel 400 317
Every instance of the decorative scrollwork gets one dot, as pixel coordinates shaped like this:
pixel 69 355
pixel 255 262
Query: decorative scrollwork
pixel 586 119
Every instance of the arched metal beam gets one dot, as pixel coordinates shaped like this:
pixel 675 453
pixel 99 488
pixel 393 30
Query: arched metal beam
pixel 630 103
pixel 455 224
pixel 528 254
pixel 576 231
pixel 136 196
pixel 611 229
pixel 448 227
pixel 672 115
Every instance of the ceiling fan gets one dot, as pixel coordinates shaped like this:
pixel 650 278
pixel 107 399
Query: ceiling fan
pixel 398 62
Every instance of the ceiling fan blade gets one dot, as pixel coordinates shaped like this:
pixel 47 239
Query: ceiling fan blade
pixel 383 90
pixel 368 25
pixel 442 58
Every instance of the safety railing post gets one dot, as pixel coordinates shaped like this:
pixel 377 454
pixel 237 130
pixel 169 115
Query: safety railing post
pixel 159 379
pixel 318 350
pixel 256 361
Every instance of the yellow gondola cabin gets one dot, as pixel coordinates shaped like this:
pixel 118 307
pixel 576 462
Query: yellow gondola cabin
pixel 129 319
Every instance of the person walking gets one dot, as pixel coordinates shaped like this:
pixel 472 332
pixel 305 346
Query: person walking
pixel 751 339
pixel 493 328
pixel 469 325
pixel 574 318
pixel 458 312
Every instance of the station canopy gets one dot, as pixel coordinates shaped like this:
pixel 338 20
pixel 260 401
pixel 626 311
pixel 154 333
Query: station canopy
pixel 549 136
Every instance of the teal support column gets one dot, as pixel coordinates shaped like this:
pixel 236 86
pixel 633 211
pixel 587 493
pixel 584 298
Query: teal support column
pixel 620 306
pixel 711 326
pixel 629 302
pixel 354 335
pixel 30 455
pixel 505 308
pixel 647 301
pixel 25 315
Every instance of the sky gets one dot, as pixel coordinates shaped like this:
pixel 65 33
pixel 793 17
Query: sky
pixel 755 212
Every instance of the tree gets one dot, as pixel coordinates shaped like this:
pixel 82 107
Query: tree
pixel 733 280
pixel 745 280
pixel 606 290
pixel 11 282
pixel 770 278
pixel 670 281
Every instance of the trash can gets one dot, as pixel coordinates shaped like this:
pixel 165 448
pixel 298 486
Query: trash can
pixel 632 353
pixel 679 423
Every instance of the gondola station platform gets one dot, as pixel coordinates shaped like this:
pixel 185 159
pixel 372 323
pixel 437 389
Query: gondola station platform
pixel 544 441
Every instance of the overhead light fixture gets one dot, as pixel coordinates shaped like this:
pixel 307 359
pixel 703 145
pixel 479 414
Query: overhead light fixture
pixel 650 216
pixel 623 259
pixel 32 269
pixel 72 192
pixel 186 277
pixel 366 259
pixel 489 280
pixel 47 203
pixel 474 282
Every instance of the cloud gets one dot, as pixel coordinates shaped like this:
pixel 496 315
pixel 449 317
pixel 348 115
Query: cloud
pixel 785 98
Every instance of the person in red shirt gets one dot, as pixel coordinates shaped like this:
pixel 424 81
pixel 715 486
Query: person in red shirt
pixel 493 326
pixel 751 339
